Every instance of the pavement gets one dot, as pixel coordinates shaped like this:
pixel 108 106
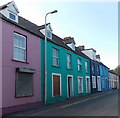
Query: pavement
pixel 80 105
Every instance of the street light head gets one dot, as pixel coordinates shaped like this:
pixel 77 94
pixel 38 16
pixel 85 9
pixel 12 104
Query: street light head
pixel 54 11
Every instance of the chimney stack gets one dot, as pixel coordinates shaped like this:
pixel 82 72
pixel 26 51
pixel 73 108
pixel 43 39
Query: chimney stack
pixel 82 47
pixel 69 40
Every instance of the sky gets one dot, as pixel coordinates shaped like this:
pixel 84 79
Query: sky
pixel 92 23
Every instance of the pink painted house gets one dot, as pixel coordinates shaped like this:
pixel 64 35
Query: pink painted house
pixel 19 62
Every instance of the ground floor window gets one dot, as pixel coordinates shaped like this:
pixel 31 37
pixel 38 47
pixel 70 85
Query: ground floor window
pixel 94 81
pixel 24 84
pixel 56 85
pixel 80 84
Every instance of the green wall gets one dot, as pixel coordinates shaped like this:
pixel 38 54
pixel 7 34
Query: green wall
pixel 61 69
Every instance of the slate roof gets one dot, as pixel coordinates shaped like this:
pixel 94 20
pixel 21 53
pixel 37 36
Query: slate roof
pixel 34 29
pixel 4 6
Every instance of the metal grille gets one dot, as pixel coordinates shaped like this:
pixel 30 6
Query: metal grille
pixel 24 84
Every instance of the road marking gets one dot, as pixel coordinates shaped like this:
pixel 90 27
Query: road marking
pixel 83 101
pixel 64 106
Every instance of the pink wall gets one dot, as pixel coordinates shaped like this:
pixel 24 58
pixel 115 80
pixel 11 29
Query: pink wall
pixel 9 66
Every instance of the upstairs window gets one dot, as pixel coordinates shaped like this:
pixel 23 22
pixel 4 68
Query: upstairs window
pixel 79 64
pixel 12 16
pixel 93 69
pixel 86 67
pixel 49 34
pixel 68 61
pixel 98 71
pixel 55 57
pixel 19 47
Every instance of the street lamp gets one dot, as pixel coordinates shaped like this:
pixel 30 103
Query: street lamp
pixel 45 72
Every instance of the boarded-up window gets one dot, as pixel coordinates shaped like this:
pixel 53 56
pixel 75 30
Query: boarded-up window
pixel 56 85
pixel 24 84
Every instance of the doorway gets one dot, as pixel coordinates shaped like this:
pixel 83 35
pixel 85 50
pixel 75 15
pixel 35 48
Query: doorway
pixel 98 83
pixel 70 86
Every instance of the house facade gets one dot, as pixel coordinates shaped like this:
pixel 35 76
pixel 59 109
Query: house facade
pixel 94 68
pixel 20 70
pixel 68 72
pixel 104 77
pixel 113 80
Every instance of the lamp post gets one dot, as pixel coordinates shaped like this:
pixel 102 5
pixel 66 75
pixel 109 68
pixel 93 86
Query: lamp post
pixel 45 71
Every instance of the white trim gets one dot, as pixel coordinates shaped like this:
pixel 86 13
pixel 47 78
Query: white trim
pixel 72 86
pixel 82 85
pixel 15 46
pixel 88 77
pixel 99 84
pixel 16 16
pixel 60 84
pixel 94 82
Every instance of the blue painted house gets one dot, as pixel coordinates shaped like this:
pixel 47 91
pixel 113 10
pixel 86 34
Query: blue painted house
pixel 98 71
pixel 95 77
pixel 104 76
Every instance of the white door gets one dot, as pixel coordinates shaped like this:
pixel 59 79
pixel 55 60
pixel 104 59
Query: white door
pixel 99 83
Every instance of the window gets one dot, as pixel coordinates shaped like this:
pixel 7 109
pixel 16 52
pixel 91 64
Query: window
pixel 12 16
pixel 24 84
pixel 80 85
pixel 68 61
pixel 55 57
pixel 56 85
pixel 103 84
pixel 79 64
pixel 49 34
pixel 98 69
pixel 86 67
pixel 93 68
pixel 94 81
pixel 19 47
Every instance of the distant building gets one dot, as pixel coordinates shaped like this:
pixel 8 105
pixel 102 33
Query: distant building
pixel 113 80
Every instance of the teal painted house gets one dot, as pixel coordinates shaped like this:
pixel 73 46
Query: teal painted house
pixel 68 70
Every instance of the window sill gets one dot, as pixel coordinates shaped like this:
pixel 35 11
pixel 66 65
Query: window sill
pixel 56 66
pixel 24 96
pixel 20 61
pixel 68 68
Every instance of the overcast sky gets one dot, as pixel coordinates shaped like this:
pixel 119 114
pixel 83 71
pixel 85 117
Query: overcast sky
pixel 93 24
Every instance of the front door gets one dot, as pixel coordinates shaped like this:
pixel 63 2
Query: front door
pixel 99 83
pixel 88 90
pixel 70 86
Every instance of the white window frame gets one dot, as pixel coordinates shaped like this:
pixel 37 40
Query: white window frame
pixel 88 91
pixel 72 85
pixel 15 46
pixel 69 65
pixel 50 37
pixel 79 64
pixel 16 16
pixel 55 57
pixel 94 84
pixel 60 84
pixel 80 78
pixel 86 66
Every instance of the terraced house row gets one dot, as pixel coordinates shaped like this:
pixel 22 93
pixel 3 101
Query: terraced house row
pixel 71 71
